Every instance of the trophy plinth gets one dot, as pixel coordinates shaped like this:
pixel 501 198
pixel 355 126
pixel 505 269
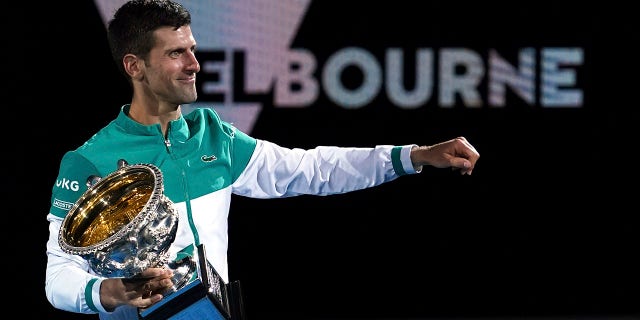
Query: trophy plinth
pixel 124 224
pixel 206 297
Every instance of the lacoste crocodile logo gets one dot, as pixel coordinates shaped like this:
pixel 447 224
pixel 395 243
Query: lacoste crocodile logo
pixel 206 158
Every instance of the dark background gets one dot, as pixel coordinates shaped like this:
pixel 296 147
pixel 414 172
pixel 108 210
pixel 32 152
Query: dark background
pixel 544 227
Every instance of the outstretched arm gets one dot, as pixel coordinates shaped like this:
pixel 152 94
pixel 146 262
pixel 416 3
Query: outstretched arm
pixel 456 153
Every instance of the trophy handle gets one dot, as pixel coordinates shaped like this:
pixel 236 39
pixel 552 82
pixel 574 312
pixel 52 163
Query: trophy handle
pixel 184 270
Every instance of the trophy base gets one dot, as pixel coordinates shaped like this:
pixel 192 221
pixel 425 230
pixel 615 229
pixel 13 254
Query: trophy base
pixel 205 297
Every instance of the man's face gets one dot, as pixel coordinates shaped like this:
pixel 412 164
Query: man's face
pixel 171 67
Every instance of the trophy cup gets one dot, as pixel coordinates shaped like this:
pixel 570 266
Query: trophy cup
pixel 124 224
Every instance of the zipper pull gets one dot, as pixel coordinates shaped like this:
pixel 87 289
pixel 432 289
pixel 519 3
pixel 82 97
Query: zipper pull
pixel 167 143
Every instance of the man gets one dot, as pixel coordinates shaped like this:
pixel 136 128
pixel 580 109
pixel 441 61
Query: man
pixel 203 160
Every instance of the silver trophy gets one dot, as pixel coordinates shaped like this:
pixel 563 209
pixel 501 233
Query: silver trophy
pixel 124 224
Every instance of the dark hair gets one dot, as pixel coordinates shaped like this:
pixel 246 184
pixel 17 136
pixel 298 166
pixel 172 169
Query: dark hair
pixel 131 29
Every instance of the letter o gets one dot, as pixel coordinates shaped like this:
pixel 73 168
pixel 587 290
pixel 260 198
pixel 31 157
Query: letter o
pixel 366 62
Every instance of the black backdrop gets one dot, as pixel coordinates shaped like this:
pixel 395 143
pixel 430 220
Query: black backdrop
pixel 544 227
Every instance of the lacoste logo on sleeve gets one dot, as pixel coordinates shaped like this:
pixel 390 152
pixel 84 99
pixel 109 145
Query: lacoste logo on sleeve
pixel 206 158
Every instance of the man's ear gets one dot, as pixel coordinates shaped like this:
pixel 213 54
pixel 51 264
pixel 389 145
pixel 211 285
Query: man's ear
pixel 134 66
